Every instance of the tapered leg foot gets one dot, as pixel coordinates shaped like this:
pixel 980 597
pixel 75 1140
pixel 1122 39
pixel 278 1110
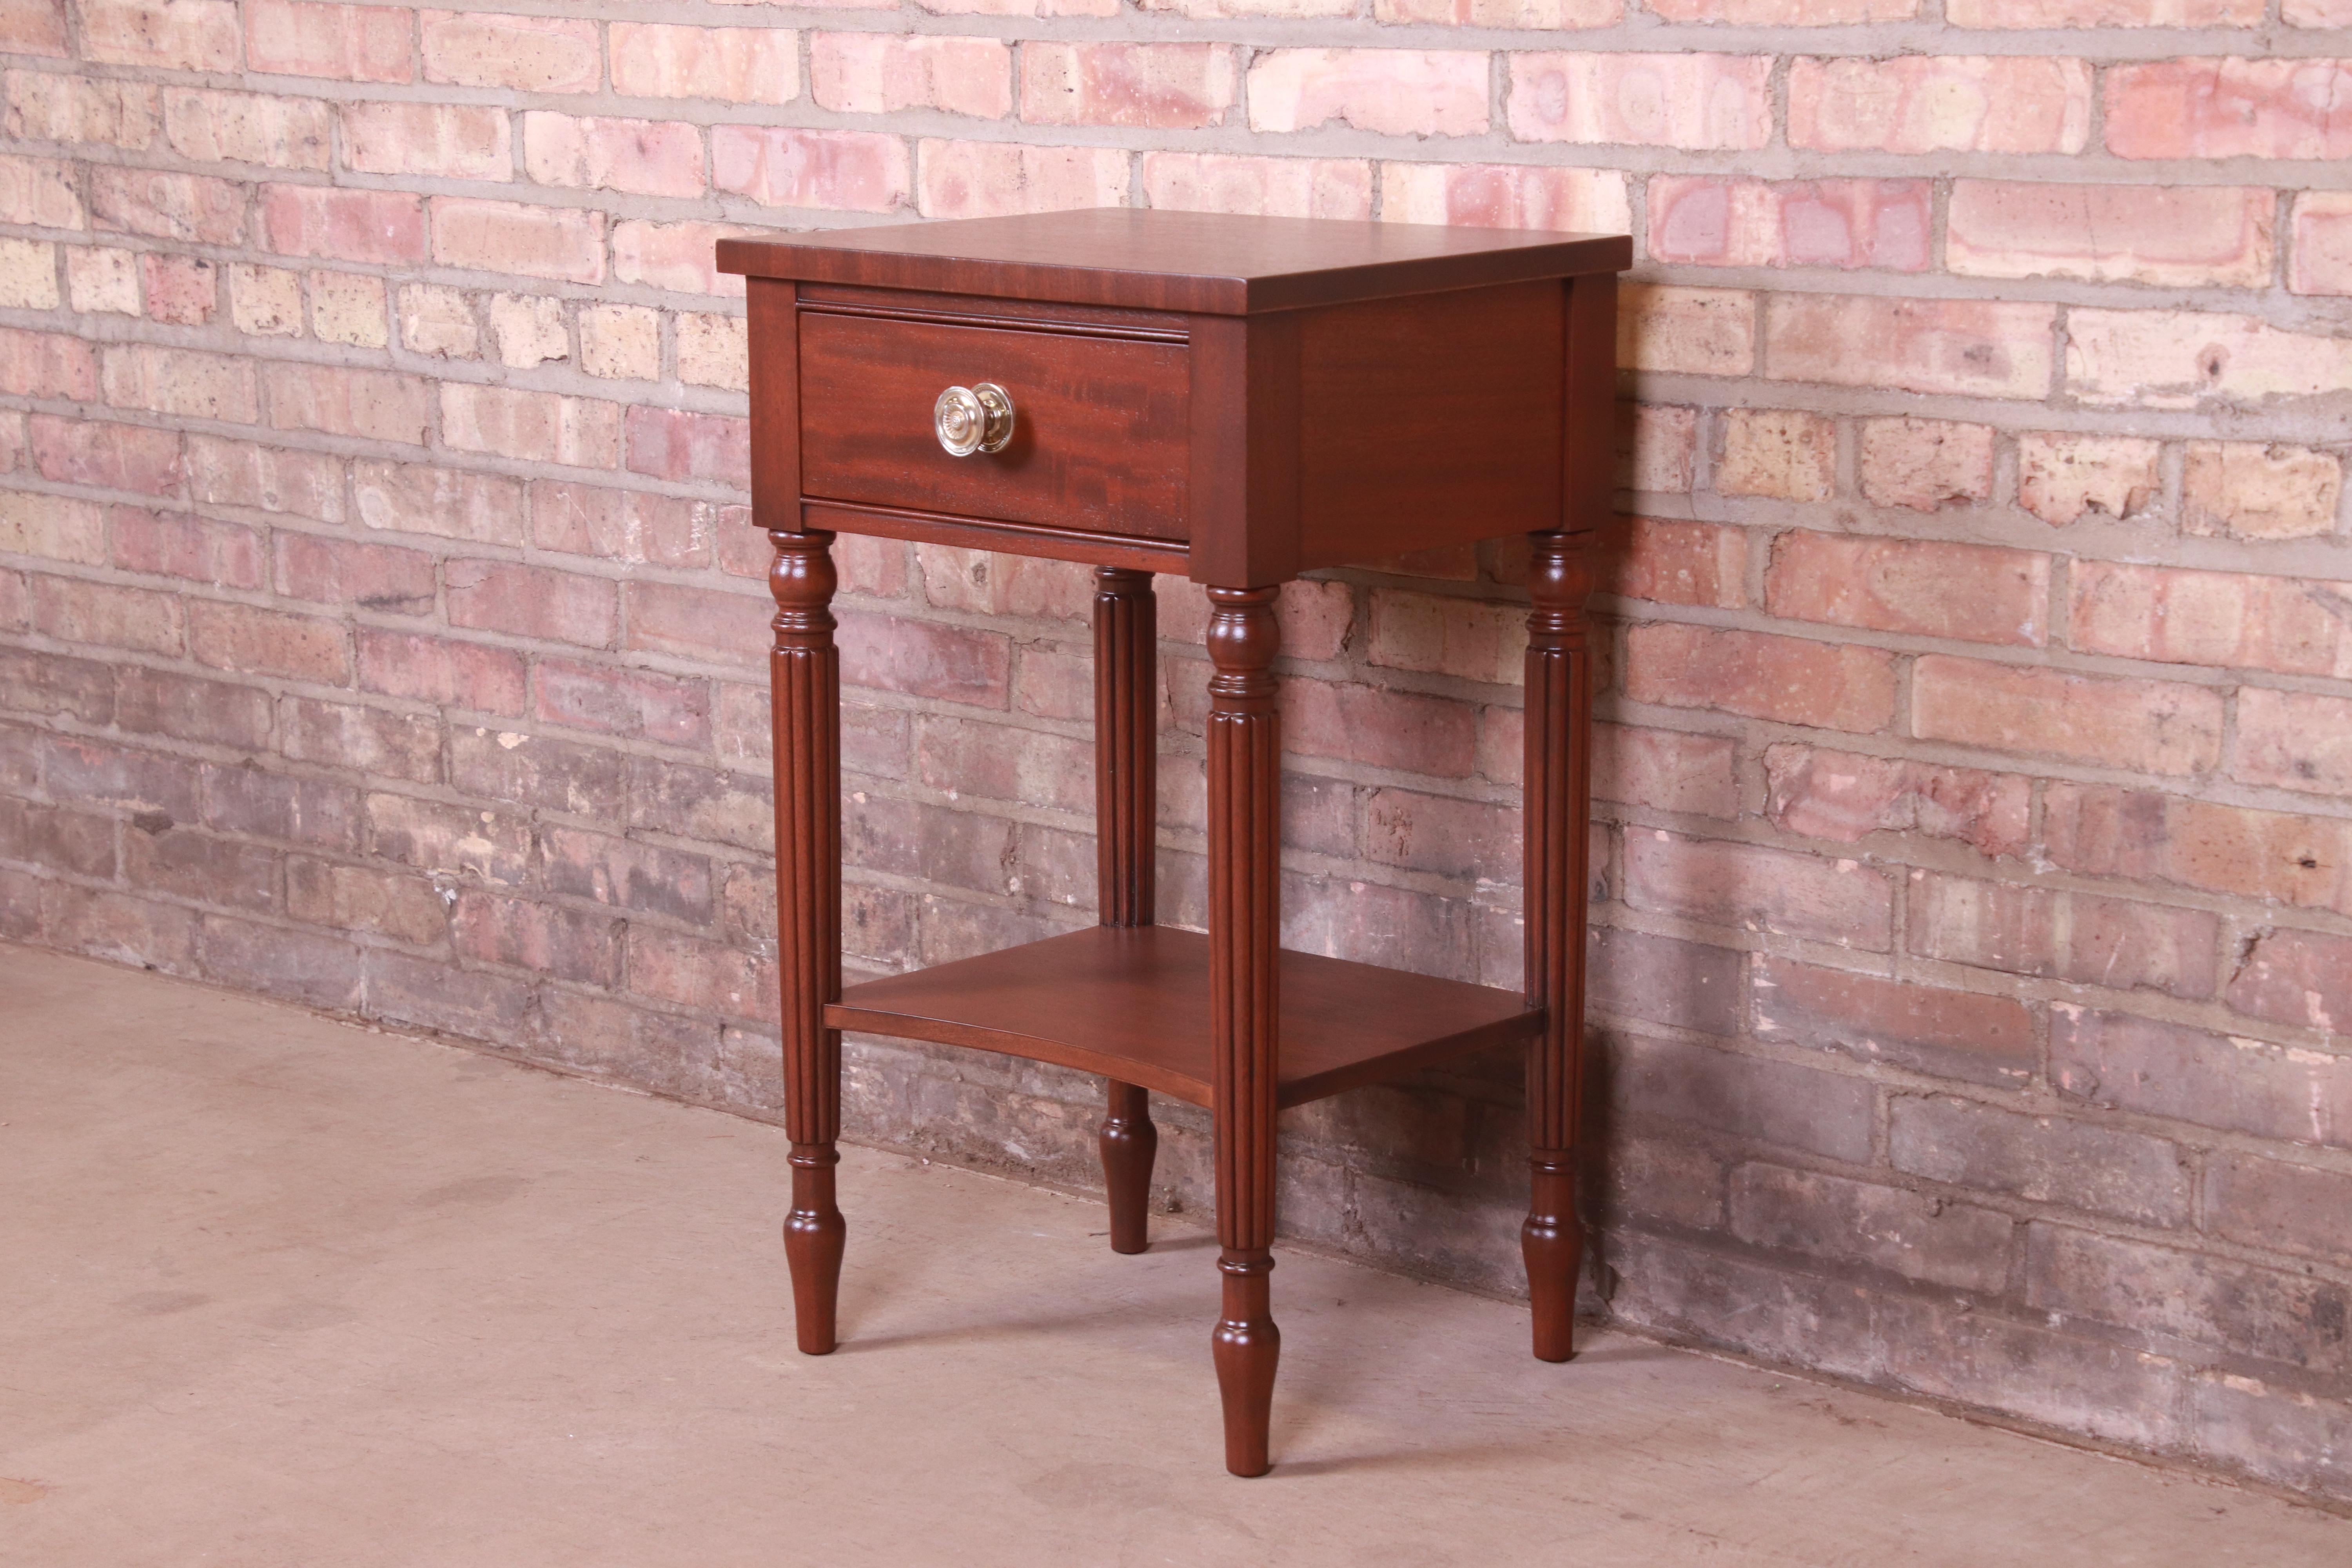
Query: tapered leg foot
pixel 1247 1346
pixel 1553 1243
pixel 813 1234
pixel 1128 1142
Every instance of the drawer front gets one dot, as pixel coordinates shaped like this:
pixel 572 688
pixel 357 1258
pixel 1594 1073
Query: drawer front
pixel 1100 423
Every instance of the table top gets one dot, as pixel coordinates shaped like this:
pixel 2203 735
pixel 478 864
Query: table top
pixel 1207 263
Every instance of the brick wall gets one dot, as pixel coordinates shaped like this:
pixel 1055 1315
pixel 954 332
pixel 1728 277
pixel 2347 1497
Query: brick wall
pixel 379 627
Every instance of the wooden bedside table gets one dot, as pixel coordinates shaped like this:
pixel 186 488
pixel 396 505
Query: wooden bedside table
pixel 1239 399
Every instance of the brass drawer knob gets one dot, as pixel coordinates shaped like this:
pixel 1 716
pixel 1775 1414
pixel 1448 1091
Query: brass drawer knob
pixel 974 419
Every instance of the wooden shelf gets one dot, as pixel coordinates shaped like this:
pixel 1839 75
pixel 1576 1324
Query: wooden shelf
pixel 1132 1003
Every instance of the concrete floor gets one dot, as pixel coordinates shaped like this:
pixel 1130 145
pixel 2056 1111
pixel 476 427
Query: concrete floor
pixel 277 1291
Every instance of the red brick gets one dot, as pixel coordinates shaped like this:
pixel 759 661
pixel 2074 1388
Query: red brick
pixel 2132 234
pixel 1400 730
pixel 1756 888
pixel 40 192
pixel 703 802
pixel 164 205
pixel 80 843
pixel 1165 86
pixel 1788 679
pixel 1441 634
pixel 1715 220
pixel 442 140
pixel 530 54
pixel 381 226
pixel 266 478
pixel 1697 332
pixel 661 707
pixel 1957 1245
pixel 693 972
pixel 697 624
pixel 2230 1083
pixel 180 544
pixel 1681 1085
pixel 1784 13
pixel 242 799
pixel 2103 13
pixel 47 364
pixel 523 934
pixel 2284 857
pixel 1846 796
pixel 566 244
pixel 213 713
pixel 34 28
pixel 178 381
pixel 672 444
pixel 533 427
pixel 74 611
pixel 375 405
pixel 2322 252
pixel 1278 187
pixel 359 898
pixel 626 874
pixel 1665 768
pixel 1950 1034
pixel 1940 103
pixel 2244 1310
pixel 2205 108
pixel 533 601
pixel 124 929
pixel 2293 740
pixel 2053 934
pixel 1503 195
pixel 113 457
pixel 1703 102
pixel 630 526
pixel 2061 476
pixel 1549 14
pixel 2041 1159
pixel 182 290
pixel 449 504
pixel 2145 726
pixel 2254 492
pixel 998 761
pixel 979 179
pixel 382 578
pixel 351 738
pixel 2315 13
pixel 645 157
pixel 253 641
pixel 58 527
pixel 445 672
pixel 169 34
pixel 1926 587
pixel 881 73
pixel 2176 359
pixel 2281 1207
pixel 1441 834
pixel 348 43
pixel 1390 93
pixel 1976 348
pixel 97 772
pixel 2291 624
pixel 729 64
pixel 924 659
pixel 537 771
pixel 1781 453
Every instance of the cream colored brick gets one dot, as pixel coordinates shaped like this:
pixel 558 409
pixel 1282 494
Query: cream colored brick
pixel 2254 492
pixel 440 321
pixel 28 274
pixel 102 277
pixel 713 352
pixel 622 342
pixel 528 330
pixel 348 308
pixel 265 301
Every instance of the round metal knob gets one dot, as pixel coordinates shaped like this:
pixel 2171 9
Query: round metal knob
pixel 974 419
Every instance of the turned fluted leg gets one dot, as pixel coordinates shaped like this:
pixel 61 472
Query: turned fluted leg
pixel 1244 906
pixel 806 683
pixel 1127 789
pixel 1559 797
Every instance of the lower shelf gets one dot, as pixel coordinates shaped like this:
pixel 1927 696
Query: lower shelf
pixel 1132 1003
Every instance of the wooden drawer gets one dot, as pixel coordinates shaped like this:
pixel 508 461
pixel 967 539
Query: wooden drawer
pixel 1100 428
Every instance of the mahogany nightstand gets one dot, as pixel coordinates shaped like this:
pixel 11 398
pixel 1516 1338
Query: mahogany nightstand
pixel 1238 399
